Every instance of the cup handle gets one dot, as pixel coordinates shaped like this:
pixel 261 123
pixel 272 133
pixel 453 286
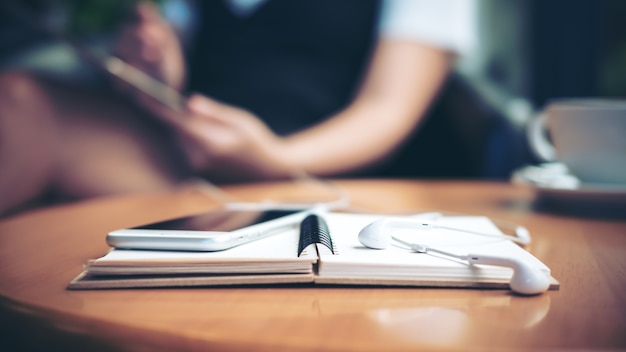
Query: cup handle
pixel 539 143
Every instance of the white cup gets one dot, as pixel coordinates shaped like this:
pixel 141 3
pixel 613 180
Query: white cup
pixel 587 135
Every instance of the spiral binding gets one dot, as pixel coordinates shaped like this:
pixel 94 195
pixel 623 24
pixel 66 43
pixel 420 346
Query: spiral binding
pixel 314 229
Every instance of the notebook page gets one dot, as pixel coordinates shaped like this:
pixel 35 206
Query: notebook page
pixel 355 260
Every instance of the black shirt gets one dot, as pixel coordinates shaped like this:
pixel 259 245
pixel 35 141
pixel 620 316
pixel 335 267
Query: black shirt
pixel 292 63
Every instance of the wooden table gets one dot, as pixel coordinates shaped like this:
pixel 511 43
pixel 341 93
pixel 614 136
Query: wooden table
pixel 41 251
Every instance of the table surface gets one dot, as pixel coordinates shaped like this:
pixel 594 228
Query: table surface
pixel 43 250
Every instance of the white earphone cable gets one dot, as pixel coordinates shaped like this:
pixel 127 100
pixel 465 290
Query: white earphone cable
pixel 341 199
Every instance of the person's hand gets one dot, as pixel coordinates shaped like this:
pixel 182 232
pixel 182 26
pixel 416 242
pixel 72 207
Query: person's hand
pixel 229 143
pixel 150 44
pixel 226 143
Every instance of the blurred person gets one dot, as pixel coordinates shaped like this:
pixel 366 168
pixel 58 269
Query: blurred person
pixel 275 88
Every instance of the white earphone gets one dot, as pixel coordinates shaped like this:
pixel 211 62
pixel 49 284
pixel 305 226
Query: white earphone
pixel 526 279
pixel 521 234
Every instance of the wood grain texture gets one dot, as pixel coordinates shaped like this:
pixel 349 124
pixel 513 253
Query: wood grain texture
pixel 41 251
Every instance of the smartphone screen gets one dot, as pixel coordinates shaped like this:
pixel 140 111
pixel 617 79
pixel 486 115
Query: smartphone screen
pixel 211 231
pixel 218 221
pixel 145 83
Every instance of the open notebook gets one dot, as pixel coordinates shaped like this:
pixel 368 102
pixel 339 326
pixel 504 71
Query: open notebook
pixel 275 260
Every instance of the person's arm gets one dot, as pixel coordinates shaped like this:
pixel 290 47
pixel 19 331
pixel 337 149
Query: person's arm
pixel 229 143
pixel 403 79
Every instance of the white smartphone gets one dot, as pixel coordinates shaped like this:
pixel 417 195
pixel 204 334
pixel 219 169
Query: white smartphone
pixel 211 231
pixel 145 83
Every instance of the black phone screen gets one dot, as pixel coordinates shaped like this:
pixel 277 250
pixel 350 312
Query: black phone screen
pixel 218 220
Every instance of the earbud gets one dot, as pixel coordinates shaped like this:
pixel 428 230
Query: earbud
pixel 522 234
pixel 526 279
pixel 374 235
pixel 377 235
